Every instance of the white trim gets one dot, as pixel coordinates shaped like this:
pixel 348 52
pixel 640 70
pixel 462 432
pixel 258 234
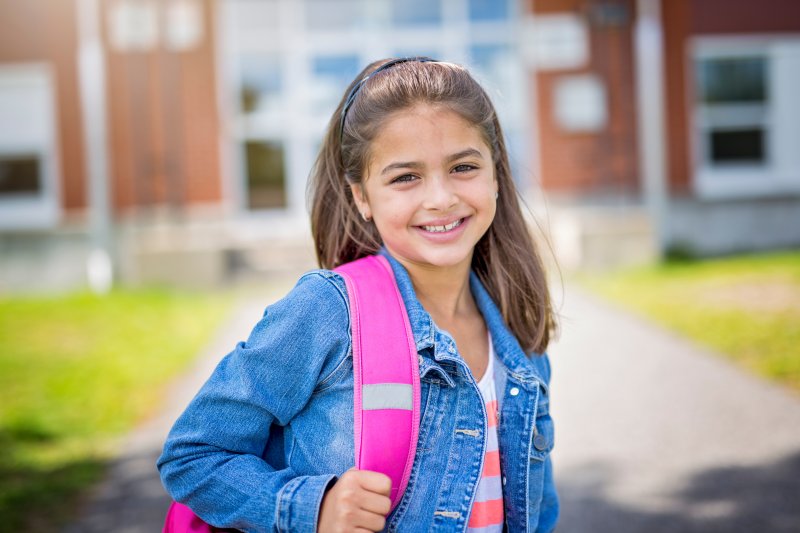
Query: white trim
pixel 526 25
pixel 43 209
pixel 651 126
pixel 92 92
pixel 779 115
pixel 228 192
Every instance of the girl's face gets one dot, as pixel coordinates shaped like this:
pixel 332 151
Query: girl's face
pixel 429 187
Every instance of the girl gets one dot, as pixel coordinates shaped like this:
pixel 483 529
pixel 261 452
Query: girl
pixel 414 167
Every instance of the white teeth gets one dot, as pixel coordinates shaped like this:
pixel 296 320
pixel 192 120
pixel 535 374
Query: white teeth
pixel 440 229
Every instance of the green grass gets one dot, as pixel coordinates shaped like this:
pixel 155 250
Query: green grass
pixel 77 371
pixel 746 307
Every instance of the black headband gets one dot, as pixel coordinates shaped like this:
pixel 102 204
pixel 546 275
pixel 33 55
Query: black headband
pixel 351 96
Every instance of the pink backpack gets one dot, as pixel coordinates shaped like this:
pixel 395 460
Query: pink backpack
pixel 386 383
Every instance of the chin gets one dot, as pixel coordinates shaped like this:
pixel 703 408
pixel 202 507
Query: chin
pixel 431 256
pixel 444 260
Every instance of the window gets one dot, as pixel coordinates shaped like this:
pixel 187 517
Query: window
pixel 19 175
pixel 28 173
pixel 417 51
pixel 255 16
pixel 734 105
pixel 266 179
pixel 738 145
pixel 746 115
pixel 260 84
pixel 488 10
pixel 580 103
pixel 486 56
pixel 417 12
pixel 495 67
pixel 285 64
pixel 332 74
pixel 329 15
pixel 262 108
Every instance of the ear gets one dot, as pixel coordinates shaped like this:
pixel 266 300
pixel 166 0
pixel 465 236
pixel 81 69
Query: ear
pixel 361 200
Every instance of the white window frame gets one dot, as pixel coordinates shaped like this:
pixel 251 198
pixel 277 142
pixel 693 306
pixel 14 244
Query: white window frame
pixel 779 116
pixel 42 209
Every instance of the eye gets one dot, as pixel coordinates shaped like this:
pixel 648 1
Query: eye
pixel 405 178
pixel 464 167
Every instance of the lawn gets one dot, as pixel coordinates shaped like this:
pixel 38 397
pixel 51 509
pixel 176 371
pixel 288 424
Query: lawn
pixel 76 371
pixel 746 307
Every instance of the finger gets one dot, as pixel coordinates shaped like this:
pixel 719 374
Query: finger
pixel 350 472
pixel 375 482
pixel 370 521
pixel 376 503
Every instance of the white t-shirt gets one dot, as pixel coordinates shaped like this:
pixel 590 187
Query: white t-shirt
pixel 487 509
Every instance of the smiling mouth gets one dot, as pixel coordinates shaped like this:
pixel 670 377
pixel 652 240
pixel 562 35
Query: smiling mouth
pixel 442 229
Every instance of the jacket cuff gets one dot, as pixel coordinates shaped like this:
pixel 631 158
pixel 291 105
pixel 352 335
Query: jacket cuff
pixel 299 502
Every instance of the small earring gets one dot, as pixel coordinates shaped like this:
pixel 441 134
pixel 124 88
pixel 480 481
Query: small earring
pixel 496 195
pixel 365 217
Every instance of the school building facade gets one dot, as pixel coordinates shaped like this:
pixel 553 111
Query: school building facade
pixel 180 133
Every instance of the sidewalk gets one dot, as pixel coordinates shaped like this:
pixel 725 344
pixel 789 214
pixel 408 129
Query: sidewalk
pixel 654 434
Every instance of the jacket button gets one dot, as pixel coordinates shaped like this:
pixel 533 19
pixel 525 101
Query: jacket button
pixel 540 442
pixel 514 391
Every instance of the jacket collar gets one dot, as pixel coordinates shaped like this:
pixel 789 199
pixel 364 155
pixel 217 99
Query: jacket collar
pixel 422 325
pixel 427 334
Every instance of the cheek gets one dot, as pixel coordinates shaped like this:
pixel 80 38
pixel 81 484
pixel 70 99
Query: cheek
pixel 391 219
pixel 483 195
pixel 391 209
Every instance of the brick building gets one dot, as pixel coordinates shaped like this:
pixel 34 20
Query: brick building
pixel 187 127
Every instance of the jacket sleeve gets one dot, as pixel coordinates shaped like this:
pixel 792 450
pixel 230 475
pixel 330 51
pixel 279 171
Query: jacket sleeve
pixel 212 459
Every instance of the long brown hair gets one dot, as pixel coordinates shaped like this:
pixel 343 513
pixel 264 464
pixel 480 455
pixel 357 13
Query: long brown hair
pixel 505 259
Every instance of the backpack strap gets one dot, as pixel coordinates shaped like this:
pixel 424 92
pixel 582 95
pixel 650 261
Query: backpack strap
pixel 386 383
pixel 386 389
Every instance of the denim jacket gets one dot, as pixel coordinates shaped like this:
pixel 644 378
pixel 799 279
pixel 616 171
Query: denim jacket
pixel 272 428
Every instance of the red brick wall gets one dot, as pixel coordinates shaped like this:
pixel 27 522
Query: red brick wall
pixel 744 16
pixel 676 21
pixel 164 124
pixel 603 162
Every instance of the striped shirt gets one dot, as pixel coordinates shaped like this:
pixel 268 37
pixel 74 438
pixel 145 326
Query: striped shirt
pixel 487 510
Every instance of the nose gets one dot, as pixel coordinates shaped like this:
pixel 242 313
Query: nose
pixel 440 195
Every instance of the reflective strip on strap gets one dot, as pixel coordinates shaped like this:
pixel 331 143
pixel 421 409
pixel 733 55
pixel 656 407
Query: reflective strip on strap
pixel 386 396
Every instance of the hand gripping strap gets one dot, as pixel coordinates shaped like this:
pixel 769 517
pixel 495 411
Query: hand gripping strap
pixel 386 373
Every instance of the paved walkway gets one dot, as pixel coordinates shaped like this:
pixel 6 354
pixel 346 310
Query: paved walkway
pixel 653 435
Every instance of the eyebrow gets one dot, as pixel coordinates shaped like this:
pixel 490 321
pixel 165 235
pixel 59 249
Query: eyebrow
pixel 469 152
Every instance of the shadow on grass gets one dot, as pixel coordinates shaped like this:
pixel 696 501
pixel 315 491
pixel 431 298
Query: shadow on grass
pixel 763 498
pixel 43 499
